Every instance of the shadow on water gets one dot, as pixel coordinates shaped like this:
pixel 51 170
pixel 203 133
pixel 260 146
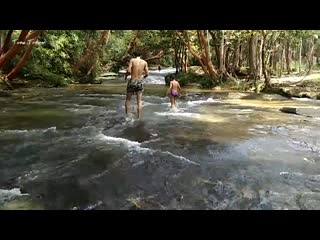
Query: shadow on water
pixel 136 132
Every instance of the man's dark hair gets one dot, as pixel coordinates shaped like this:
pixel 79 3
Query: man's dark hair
pixel 136 53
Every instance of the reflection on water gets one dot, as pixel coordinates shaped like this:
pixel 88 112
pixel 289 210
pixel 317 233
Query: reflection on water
pixel 73 149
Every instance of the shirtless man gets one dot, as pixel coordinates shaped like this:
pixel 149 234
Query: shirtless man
pixel 174 91
pixel 138 69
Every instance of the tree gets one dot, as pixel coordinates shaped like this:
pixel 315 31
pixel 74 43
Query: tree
pixel 16 70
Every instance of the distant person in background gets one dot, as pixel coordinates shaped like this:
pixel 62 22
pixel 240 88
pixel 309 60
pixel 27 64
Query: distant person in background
pixel 174 91
pixel 159 68
pixel 138 69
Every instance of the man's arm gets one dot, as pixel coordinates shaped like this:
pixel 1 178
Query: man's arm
pixel 128 72
pixel 146 70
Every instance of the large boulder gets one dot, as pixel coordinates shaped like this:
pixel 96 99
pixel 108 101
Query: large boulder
pixel 305 111
pixel 5 94
pixel 88 79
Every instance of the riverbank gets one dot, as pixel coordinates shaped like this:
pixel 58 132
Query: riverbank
pixel 295 86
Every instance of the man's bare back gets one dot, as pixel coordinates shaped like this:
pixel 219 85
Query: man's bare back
pixel 137 68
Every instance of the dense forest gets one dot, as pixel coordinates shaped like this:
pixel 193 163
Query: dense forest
pixel 59 57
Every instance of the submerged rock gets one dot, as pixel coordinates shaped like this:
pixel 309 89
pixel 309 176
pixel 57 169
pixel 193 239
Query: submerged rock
pixel 309 112
pixel 88 79
pixel 308 201
pixel 291 110
pixel 5 94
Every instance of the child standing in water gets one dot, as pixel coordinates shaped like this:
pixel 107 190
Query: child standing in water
pixel 173 92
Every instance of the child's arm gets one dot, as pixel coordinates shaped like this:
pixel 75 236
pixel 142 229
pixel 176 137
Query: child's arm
pixel 169 88
pixel 179 87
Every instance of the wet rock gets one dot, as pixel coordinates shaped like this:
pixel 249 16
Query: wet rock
pixel 5 94
pixel 144 204
pixel 308 95
pixel 291 110
pixel 88 79
pixel 205 191
pixel 310 112
pixel 22 204
pixel 219 187
pixel 94 206
pixel 308 201
pixel 109 74
pixel 196 70
pixel 180 198
pixel 173 204
pixel 314 112
pixel 236 95
pixel 265 205
pixel 248 193
pixel 7 195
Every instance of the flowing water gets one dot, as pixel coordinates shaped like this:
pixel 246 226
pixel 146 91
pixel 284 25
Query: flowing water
pixel 72 149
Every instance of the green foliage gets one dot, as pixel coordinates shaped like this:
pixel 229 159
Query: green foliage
pixel 60 50
pixel 37 72
pixel 206 82
pixel 57 54
pixel 187 78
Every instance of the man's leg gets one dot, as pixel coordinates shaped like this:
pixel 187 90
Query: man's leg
pixel 139 104
pixel 128 103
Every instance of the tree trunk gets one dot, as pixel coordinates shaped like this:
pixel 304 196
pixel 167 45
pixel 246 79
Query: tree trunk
pixel 295 58
pixel 252 56
pixel 90 52
pixel 2 37
pixel 240 56
pixel 95 60
pixel 275 57
pixel 157 56
pixel 216 44
pixel 259 58
pixel 236 56
pixel 5 42
pixel 14 49
pixel 300 51
pixel 193 52
pixel 16 70
pixel 185 62
pixel 288 57
pixel 265 56
pixel 310 55
pixel 226 58
pixel 210 67
pixel 282 57
pixel 181 57
pixel 217 52
pixel 221 54
pixel 176 57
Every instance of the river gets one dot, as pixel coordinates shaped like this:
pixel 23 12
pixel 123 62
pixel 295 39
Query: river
pixel 71 148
